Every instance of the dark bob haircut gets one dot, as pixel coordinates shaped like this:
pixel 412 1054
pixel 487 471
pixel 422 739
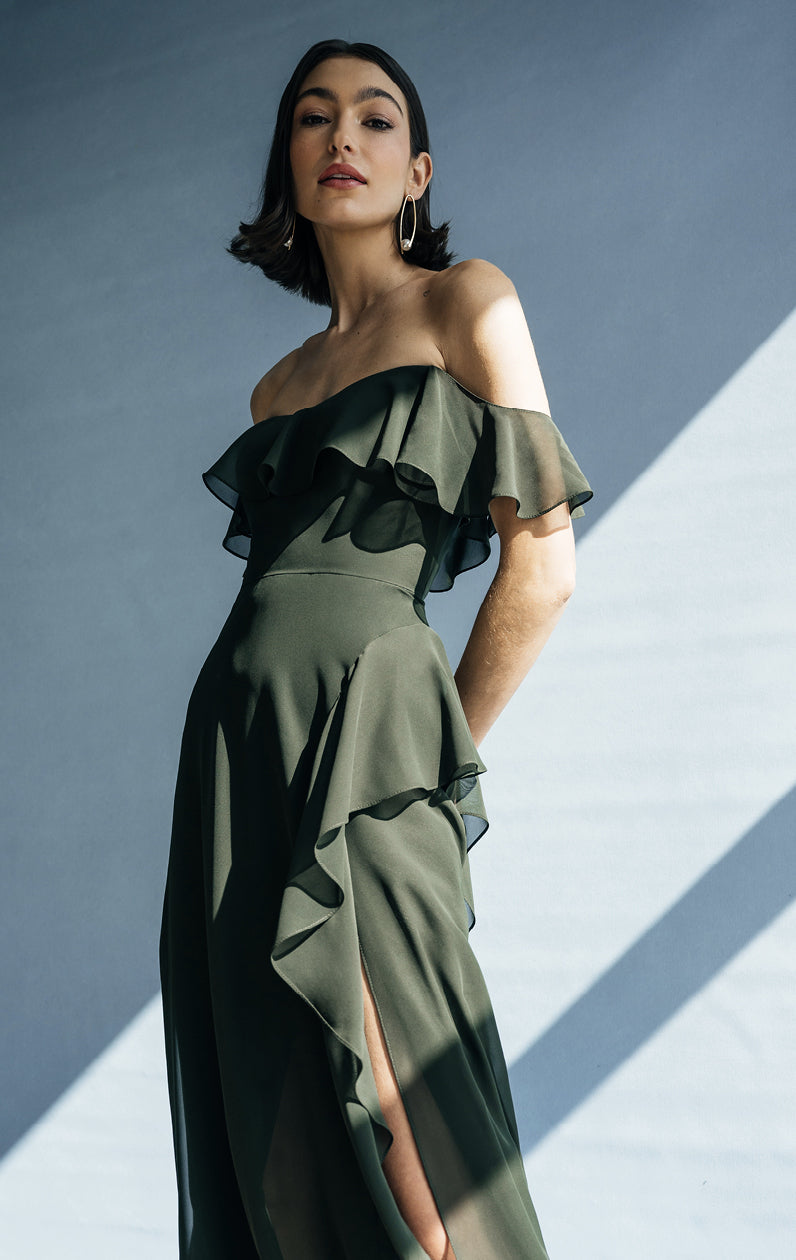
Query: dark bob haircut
pixel 262 242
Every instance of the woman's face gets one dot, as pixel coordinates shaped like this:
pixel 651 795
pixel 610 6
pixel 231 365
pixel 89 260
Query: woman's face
pixel 349 111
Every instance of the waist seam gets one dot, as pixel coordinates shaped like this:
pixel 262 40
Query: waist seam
pixel 367 577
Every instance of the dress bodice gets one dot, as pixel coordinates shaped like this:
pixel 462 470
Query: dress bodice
pixel 389 478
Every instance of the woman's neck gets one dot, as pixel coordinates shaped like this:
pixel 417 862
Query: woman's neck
pixel 361 267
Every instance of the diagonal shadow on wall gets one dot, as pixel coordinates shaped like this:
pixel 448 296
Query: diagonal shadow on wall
pixel 724 910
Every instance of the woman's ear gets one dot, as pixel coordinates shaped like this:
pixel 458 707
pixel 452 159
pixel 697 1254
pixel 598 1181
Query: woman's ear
pixel 420 175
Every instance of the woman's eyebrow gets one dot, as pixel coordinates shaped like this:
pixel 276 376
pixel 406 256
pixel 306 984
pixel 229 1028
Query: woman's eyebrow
pixel 364 94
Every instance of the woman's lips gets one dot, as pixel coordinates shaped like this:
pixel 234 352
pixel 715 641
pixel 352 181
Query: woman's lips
pixel 341 181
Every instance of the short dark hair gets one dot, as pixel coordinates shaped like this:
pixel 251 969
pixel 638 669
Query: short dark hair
pixel 262 242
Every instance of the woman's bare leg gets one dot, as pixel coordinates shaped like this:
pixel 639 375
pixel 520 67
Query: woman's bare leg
pixel 402 1164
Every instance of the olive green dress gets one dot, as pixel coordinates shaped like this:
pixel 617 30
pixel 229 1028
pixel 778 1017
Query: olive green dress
pixel 326 798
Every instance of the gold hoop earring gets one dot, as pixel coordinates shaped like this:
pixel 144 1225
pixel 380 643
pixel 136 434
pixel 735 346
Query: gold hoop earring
pixel 288 243
pixel 406 242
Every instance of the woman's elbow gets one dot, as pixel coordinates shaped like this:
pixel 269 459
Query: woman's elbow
pixel 538 558
pixel 554 579
pixel 560 587
pixel 548 587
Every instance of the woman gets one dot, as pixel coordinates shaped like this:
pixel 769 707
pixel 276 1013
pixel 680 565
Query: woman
pixel 337 1082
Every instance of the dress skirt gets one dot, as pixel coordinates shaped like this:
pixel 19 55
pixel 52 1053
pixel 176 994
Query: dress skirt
pixel 280 876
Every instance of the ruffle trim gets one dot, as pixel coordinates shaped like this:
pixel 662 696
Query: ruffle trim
pixel 443 444
pixel 372 756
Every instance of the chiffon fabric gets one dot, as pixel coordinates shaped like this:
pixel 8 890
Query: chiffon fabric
pixel 327 795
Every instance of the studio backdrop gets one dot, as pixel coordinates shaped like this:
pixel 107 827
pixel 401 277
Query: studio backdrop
pixel 629 165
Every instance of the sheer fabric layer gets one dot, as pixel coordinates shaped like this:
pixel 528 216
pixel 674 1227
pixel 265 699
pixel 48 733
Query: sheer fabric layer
pixel 443 446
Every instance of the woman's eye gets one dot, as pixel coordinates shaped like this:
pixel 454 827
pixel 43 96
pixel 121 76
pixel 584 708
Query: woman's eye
pixel 376 124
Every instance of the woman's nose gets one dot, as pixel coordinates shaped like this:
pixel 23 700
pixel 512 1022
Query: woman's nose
pixel 340 140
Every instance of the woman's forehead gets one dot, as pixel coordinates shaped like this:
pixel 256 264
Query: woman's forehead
pixel 348 76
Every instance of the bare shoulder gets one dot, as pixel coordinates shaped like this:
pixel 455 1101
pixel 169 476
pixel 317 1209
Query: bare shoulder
pixel 483 335
pixel 473 280
pixel 269 385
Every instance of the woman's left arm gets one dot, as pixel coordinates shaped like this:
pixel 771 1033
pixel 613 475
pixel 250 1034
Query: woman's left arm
pixel 534 579
pixel 485 341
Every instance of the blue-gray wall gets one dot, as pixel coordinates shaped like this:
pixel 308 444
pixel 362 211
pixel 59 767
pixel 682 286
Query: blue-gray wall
pixel 628 164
